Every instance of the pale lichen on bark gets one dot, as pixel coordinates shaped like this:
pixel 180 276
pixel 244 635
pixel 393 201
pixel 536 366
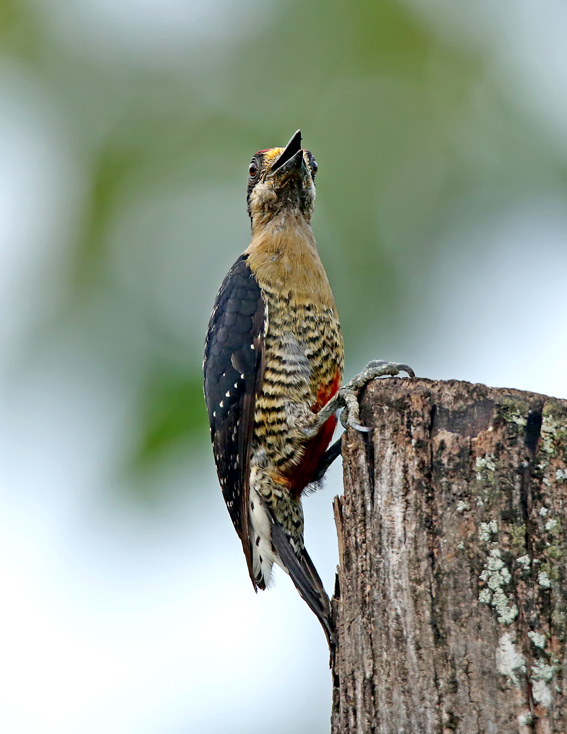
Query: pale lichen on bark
pixel 451 601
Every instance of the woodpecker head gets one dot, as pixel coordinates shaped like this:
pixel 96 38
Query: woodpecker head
pixel 281 179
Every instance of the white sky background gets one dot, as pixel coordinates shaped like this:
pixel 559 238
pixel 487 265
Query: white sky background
pixel 117 623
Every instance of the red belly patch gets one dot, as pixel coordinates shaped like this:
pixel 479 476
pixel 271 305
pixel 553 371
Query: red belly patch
pixel 304 473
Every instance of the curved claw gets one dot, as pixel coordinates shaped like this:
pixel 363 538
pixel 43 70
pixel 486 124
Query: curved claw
pixel 350 423
pixel 406 368
pixel 344 418
pixel 359 428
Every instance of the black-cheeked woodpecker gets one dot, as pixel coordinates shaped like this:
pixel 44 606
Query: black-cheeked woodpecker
pixel 273 368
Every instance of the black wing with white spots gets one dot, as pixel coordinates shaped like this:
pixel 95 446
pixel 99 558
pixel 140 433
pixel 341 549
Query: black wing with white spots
pixel 233 369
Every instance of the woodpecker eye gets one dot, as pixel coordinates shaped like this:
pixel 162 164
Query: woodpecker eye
pixel 253 169
pixel 314 167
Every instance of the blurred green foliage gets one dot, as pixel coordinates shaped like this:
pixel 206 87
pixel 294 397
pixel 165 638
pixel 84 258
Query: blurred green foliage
pixel 409 126
pixel 171 412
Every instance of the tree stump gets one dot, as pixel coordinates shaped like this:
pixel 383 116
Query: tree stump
pixel 451 595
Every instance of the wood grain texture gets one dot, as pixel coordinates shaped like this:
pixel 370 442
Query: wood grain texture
pixel 451 599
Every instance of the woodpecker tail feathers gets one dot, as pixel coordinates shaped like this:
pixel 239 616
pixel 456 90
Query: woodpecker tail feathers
pixel 306 579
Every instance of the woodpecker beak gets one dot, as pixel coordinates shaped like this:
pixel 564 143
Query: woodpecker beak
pixel 286 182
pixel 292 155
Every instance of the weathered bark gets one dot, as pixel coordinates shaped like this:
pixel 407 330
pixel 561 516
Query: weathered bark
pixel 451 599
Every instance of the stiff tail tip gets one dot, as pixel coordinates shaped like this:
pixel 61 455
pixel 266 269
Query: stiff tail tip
pixel 306 579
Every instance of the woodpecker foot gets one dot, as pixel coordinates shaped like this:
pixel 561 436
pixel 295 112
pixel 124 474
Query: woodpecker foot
pixel 347 397
pixel 349 392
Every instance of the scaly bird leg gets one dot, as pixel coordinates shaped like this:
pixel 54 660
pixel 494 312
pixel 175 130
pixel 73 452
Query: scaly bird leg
pixel 347 399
